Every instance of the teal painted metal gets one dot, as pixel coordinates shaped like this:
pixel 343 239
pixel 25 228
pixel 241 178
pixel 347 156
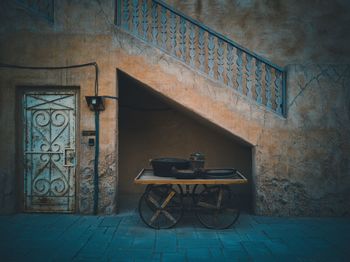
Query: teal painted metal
pixel 211 46
pixel 258 82
pixel 126 16
pixel 248 73
pixel 284 94
pixel 203 49
pixel 239 77
pixel 278 92
pixel 173 33
pixel 220 60
pixel 154 23
pixel 144 19
pixel 268 86
pixel 118 12
pixel 183 31
pixel 192 45
pixel 97 154
pixel 135 16
pixel 229 72
pixel 164 28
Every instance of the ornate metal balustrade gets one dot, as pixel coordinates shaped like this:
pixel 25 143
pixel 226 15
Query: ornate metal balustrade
pixel 204 50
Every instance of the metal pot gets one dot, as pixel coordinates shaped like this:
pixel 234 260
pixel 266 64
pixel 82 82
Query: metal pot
pixel 197 161
pixel 163 166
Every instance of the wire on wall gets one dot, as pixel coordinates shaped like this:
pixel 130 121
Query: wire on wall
pixel 94 64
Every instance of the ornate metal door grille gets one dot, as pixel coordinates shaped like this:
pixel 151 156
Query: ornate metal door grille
pixel 49 151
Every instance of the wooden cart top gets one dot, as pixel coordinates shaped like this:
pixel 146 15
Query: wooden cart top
pixel 146 177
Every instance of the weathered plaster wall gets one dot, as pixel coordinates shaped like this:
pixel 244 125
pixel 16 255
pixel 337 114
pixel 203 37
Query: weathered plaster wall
pixel 284 31
pixel 311 169
pixel 32 41
pixel 84 78
pixel 301 164
pixel 292 163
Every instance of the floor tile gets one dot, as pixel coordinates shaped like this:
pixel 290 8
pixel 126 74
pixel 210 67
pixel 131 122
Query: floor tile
pixel 58 237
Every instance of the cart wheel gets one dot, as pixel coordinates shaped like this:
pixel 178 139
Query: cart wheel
pixel 178 189
pixel 161 207
pixel 216 208
pixel 195 191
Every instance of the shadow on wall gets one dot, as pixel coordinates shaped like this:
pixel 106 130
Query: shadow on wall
pixel 2 189
pixel 152 126
pixel 6 194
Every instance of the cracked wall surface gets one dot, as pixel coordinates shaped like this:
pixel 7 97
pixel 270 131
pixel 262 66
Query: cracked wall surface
pixel 314 31
pixel 301 164
pixel 309 172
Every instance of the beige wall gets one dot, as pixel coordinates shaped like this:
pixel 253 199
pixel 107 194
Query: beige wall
pixel 300 164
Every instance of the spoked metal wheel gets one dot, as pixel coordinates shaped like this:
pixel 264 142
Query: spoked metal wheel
pixel 161 206
pixel 216 208
pixel 198 188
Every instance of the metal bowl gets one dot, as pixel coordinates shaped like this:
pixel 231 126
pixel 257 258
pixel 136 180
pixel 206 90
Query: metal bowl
pixel 163 166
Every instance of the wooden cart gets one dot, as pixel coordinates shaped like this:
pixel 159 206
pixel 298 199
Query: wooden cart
pixel 161 206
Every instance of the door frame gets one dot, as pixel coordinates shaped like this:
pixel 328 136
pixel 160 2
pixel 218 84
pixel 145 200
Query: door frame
pixel 19 133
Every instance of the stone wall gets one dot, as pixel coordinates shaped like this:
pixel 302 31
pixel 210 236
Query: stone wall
pixel 301 164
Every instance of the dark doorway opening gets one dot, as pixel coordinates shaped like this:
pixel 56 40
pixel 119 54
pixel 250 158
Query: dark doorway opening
pixel 151 126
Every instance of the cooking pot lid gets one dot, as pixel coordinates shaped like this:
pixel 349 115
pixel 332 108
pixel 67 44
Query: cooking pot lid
pixel 220 173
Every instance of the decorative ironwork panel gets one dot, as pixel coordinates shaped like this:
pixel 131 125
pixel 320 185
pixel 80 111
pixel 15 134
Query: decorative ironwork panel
pixel 126 15
pixel 220 60
pixel 239 63
pixel 41 8
pixel 183 38
pixel 211 46
pixel 248 67
pixel 135 16
pixel 49 151
pixel 173 33
pixel 192 45
pixel 268 87
pixel 258 81
pixel 278 92
pixel 202 48
pixel 229 65
pixel 144 10
pixel 154 23
pixel 164 28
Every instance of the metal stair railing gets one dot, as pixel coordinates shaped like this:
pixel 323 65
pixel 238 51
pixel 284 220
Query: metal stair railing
pixel 205 50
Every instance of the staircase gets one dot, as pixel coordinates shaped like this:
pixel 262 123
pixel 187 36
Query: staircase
pixel 205 51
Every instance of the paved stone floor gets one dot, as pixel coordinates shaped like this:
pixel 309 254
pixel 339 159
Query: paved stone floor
pixel 41 237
